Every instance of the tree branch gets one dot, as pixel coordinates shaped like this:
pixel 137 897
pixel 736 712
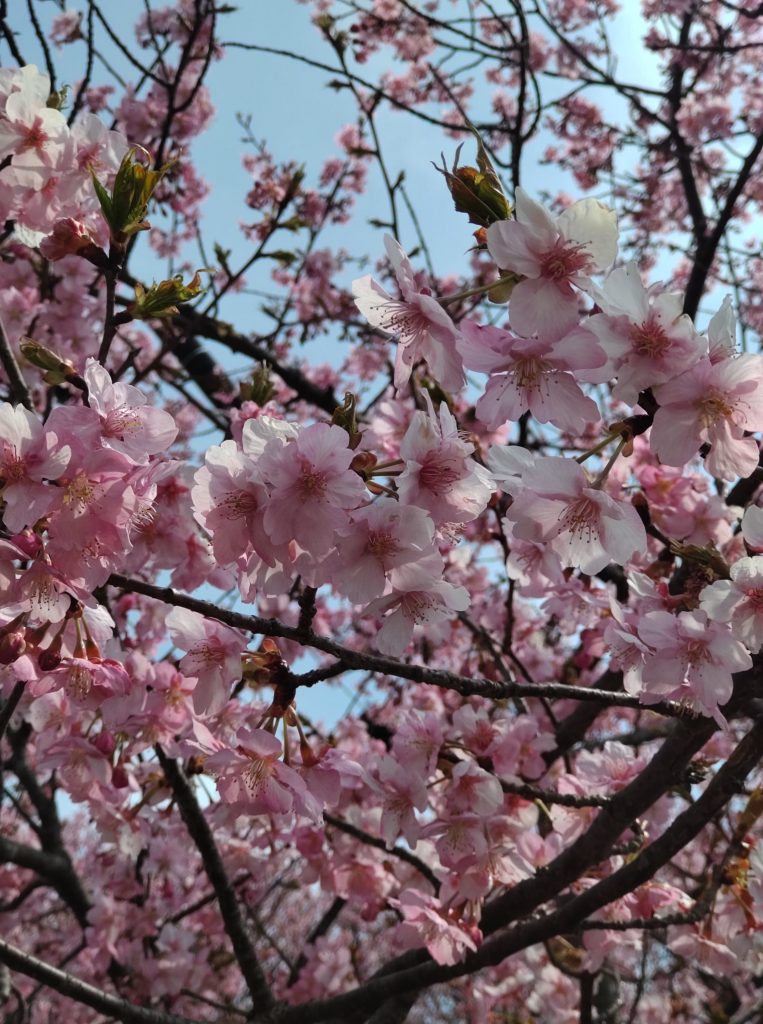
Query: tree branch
pixel 389 666
pixel 230 911
pixel 18 387
pixel 80 991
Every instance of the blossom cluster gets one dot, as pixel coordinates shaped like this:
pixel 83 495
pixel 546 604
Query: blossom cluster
pixel 553 492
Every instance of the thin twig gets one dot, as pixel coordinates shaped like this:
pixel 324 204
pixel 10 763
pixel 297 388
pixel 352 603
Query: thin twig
pixel 19 390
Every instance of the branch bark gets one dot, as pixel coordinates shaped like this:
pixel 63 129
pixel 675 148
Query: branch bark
pixel 230 911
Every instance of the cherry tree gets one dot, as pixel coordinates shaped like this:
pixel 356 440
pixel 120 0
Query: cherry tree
pixel 516 517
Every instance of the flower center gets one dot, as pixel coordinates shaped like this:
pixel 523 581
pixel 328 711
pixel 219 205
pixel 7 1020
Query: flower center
pixel 564 260
pixel 311 483
pixel 582 517
pixel 256 774
pixel 715 406
pixel 12 467
pixel 439 473
pixel 419 606
pixel 208 652
pixel 381 543
pixel 695 652
pixel 755 597
pixel 403 319
pixel 79 491
pixel 238 505
pixel 529 371
pixel 649 338
pixel 121 421
pixel 34 137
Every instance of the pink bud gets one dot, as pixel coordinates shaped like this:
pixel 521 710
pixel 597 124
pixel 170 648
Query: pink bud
pixel 28 542
pixel 104 742
pixel 68 238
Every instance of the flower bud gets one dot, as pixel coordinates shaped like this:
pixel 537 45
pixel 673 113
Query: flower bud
pixel 71 238
pixel 57 369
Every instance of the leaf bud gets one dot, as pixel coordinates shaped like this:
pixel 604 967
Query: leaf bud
pixel 160 300
pixel 125 208
pixel 259 389
pixel 476 191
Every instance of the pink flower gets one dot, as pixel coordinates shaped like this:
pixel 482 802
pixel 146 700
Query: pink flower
pixel 472 789
pixel 30 132
pixel 426 921
pixel 739 601
pixel 90 530
pixel 439 474
pixel 418 596
pixel 586 527
pixel 752 527
pixel 68 237
pixel 214 656
pixel 722 333
pixel 643 331
pixel 128 423
pixel 378 539
pixel 527 374
pixel 29 454
pixel 253 774
pixel 229 499
pixel 691 657
pixel 418 741
pixel 419 323
pixel 312 487
pixel 553 255
pixel 716 403
pixel 403 791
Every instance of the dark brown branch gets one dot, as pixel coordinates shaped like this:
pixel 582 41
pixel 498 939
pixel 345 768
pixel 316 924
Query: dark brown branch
pixel 230 911
pixel 320 929
pixel 705 254
pixel 10 705
pixel 377 663
pixel 80 991
pixel 726 783
pixel 378 843
pixel 53 863
pixel 199 325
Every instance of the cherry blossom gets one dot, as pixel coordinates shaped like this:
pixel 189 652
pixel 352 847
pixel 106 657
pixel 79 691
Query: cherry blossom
pixel 213 656
pixel 643 331
pixel 418 595
pixel 378 539
pixel 527 376
pixel 553 255
pixel 444 936
pixel 691 657
pixel 393 655
pixel 739 601
pixel 29 455
pixel 420 325
pixel 311 472
pixel 439 474
pixel 716 403
pixel 584 525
